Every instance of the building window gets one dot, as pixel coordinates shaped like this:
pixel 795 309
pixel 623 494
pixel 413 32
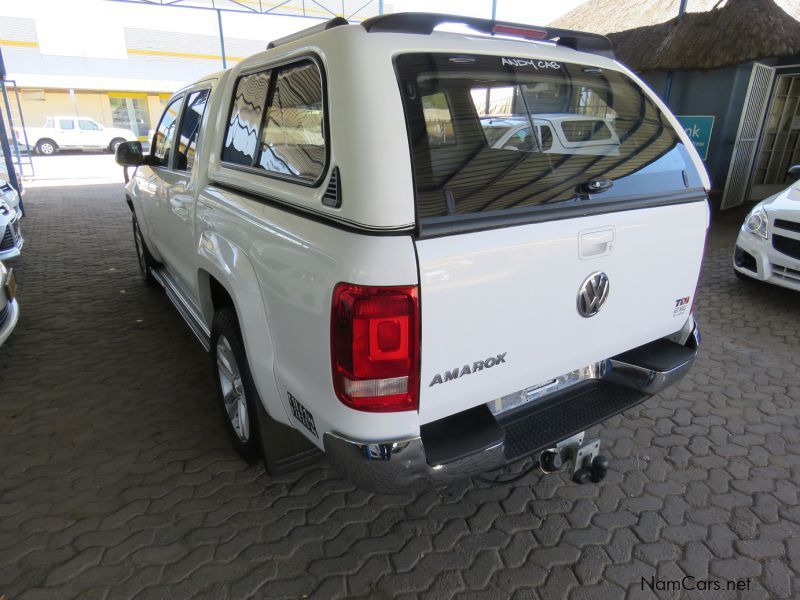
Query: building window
pixel 131 113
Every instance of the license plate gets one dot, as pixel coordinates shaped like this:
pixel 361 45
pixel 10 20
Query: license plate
pixel 10 286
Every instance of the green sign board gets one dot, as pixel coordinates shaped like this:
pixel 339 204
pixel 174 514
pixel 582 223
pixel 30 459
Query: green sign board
pixel 698 128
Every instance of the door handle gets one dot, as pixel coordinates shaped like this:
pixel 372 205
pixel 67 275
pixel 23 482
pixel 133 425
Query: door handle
pixel 596 243
pixel 206 214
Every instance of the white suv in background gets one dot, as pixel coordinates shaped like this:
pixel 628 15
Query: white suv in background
pixel 7 192
pixel 768 246
pixel 11 239
pixel 9 308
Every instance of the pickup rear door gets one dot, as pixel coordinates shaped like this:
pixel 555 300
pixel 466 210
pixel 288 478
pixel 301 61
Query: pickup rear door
pixel 536 261
pixel 502 307
pixel 68 135
pixel 177 213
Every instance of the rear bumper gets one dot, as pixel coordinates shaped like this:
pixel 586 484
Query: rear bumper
pixel 475 441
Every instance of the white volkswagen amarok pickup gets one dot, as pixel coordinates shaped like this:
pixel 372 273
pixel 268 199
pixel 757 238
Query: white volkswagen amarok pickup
pixel 375 280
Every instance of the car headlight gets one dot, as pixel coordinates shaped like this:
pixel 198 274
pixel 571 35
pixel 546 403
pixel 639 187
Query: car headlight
pixel 756 222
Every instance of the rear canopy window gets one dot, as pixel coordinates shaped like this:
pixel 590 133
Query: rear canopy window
pixel 492 133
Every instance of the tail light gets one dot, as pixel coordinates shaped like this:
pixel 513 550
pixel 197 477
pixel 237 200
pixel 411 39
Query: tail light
pixel 375 347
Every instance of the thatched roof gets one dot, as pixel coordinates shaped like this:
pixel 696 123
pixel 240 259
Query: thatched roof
pixel 648 35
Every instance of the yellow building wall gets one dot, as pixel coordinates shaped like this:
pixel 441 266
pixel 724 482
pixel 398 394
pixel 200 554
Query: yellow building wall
pixel 36 111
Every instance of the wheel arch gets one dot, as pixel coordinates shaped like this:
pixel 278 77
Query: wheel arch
pixel 226 277
pixel 47 139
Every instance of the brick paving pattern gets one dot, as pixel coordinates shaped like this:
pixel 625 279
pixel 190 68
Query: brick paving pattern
pixel 117 480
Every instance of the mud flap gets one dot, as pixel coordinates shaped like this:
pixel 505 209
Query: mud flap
pixel 283 448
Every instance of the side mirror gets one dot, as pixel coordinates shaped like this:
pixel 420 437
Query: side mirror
pixel 130 154
pixel 794 172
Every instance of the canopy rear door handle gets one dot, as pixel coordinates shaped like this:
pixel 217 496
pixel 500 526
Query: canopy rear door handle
pixel 598 242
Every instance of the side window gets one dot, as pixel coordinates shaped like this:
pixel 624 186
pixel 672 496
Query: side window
pixel 87 125
pixel 547 137
pixel 438 120
pixel 293 139
pixel 585 130
pixel 520 140
pixel 66 124
pixel 165 134
pixel 190 129
pixel 241 138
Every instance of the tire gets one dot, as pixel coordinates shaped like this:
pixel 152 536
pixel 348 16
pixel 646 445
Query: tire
pixel 143 256
pixel 46 147
pixel 114 143
pixel 236 391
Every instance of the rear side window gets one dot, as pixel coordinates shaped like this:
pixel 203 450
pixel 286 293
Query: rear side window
pixel 292 141
pixel 585 130
pixel 165 134
pixel 277 123
pixel 190 129
pixel 493 134
pixel 241 139
pixel 66 124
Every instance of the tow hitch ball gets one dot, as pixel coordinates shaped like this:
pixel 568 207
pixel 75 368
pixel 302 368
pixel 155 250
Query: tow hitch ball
pixel 594 471
pixel 588 463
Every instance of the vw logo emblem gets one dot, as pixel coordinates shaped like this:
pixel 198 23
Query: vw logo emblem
pixel 592 294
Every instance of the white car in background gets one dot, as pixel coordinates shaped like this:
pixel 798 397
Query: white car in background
pixel 11 239
pixel 555 133
pixel 768 246
pixel 74 133
pixel 7 192
pixel 9 310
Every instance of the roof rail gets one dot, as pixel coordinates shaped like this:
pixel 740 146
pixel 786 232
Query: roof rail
pixel 335 22
pixel 425 23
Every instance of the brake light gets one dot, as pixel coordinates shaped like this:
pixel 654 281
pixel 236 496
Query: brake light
pixel 375 346
pixel 531 34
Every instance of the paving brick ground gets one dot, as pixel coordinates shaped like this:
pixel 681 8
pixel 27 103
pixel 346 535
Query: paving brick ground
pixel 117 480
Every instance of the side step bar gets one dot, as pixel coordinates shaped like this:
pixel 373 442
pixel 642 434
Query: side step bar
pixel 184 307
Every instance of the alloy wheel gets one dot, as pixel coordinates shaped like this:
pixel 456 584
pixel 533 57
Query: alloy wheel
pixel 233 397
